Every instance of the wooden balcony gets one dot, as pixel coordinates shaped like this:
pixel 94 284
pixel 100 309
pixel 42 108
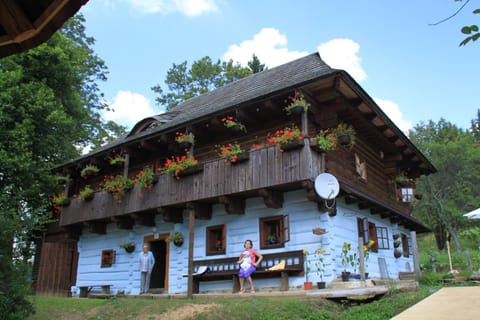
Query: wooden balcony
pixel 266 170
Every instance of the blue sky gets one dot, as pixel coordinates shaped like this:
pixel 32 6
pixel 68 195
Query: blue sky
pixel 415 71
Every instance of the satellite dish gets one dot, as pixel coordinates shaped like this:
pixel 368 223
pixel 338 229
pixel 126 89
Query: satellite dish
pixel 326 186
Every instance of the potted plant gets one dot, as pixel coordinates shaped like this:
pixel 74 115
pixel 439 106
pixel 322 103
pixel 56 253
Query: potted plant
pixel 219 245
pixel 397 253
pixel 177 238
pixel 347 259
pixel 178 166
pixel 403 181
pixel 326 140
pixel 232 153
pixel 234 124
pixel 345 135
pixel 128 246
pixel 185 140
pixel 307 285
pixel 145 179
pixel 86 193
pixel 117 160
pixel 286 139
pixel 89 170
pixel 320 267
pixel 397 243
pixel 297 104
pixel 60 200
pixel 118 186
pixel 272 239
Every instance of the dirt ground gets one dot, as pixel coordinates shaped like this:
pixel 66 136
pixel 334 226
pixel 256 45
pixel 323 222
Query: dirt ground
pixel 188 311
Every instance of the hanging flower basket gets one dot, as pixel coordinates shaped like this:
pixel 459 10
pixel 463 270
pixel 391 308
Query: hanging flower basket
pixel 345 135
pixel 397 253
pixel 89 170
pixel 177 238
pixel 232 123
pixel 128 246
pixel 297 105
pixel 185 140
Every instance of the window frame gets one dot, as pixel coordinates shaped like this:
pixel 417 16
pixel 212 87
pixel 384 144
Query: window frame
pixel 213 235
pixel 280 225
pixel 368 231
pixel 107 259
pixel 405 245
pixel 382 240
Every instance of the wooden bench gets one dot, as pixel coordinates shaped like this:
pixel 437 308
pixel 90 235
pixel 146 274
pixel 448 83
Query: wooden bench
pixel 85 289
pixel 227 269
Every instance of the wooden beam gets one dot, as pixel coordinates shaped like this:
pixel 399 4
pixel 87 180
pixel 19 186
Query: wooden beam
pixel 233 205
pixel 203 211
pixel 98 227
pixel 350 199
pixel 171 214
pixel 272 199
pixel 146 219
pixel 364 205
pixel 123 222
pixel 191 236
pixel 15 22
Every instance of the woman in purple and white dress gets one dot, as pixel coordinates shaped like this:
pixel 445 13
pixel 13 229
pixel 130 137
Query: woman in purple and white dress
pixel 249 260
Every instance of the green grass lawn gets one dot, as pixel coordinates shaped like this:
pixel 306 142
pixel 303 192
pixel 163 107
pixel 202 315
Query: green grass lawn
pixel 262 308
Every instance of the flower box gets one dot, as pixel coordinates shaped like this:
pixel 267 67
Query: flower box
pixel 190 170
pixel 289 146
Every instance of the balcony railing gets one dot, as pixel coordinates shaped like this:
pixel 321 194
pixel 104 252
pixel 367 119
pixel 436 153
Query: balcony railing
pixel 266 168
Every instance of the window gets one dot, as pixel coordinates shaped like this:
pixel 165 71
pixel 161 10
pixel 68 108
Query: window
pixel 405 246
pixel 367 231
pixel 108 258
pixel 405 194
pixel 216 240
pixel 382 238
pixel 274 231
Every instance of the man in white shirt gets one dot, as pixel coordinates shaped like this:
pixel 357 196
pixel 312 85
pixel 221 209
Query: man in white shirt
pixel 146 260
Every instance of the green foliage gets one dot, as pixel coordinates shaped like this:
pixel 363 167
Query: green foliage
pixel 471 31
pixel 453 190
pixel 255 65
pixel 300 307
pixel 203 76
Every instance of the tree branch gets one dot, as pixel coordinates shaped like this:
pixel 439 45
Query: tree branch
pixel 453 15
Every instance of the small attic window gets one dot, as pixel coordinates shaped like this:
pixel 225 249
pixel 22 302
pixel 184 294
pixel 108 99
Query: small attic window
pixel 148 124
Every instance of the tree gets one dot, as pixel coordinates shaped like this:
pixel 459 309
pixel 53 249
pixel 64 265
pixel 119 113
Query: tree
pixel 204 76
pixel 255 65
pixel 49 111
pixel 453 190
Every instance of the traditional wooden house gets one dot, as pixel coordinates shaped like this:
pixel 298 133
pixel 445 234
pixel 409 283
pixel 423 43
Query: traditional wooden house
pixel 266 194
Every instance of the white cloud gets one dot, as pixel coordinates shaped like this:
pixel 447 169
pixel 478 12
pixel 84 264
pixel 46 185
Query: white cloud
pixel 392 110
pixel 129 108
pixel 269 45
pixel 186 7
pixel 343 54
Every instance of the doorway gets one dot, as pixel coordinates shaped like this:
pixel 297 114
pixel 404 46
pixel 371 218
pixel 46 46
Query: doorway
pixel 159 248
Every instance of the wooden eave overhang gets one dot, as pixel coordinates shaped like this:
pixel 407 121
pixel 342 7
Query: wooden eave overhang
pixel 25 24
pixel 377 207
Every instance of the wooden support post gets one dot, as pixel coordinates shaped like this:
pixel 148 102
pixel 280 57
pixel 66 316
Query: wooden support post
pixel 126 165
pixel 191 231
pixel 416 261
pixel 361 259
